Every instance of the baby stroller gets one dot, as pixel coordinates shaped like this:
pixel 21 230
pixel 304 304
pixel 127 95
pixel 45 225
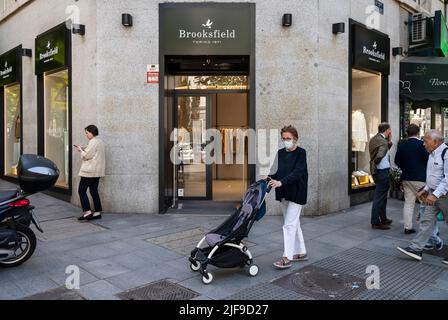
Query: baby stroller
pixel 223 245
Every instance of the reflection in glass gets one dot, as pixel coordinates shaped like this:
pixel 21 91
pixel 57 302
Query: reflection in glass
pixel 211 83
pixel 192 117
pixel 13 130
pixel 421 118
pixel 56 123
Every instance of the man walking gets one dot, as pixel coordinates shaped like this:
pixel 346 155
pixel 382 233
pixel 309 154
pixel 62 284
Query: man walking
pixel 379 147
pixel 433 193
pixel 412 159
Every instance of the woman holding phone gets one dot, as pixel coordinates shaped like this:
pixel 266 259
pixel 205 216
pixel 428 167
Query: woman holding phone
pixel 92 169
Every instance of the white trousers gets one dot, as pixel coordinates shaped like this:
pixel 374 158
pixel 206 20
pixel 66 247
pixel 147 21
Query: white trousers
pixel 410 194
pixel 292 232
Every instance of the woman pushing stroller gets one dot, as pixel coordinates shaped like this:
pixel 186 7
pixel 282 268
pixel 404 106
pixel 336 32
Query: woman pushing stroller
pixel 290 181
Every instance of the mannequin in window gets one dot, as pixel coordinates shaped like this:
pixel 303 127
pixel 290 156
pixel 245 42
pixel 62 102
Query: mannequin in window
pixel 359 131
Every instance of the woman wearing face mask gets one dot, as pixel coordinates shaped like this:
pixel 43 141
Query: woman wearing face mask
pixel 290 182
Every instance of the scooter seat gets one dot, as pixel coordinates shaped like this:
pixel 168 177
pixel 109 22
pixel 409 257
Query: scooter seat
pixel 6 195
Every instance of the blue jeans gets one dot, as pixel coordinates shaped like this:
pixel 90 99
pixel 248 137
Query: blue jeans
pixel 435 239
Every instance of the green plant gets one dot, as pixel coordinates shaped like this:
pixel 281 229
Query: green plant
pixel 395 178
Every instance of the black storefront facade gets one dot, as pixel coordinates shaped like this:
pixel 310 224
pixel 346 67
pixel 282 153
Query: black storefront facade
pixel 424 81
pixel 11 106
pixel 424 93
pixel 369 70
pixel 54 92
pixel 207 72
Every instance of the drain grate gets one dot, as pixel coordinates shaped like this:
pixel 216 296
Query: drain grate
pixel 61 293
pixel 160 290
pixel 442 253
pixel 323 284
pixel 267 291
pixel 400 278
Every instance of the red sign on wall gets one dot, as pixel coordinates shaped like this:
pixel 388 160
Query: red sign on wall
pixel 153 77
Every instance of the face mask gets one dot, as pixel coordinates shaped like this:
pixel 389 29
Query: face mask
pixel 288 144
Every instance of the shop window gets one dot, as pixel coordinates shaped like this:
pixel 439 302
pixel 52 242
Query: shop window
pixel 366 117
pixel 56 113
pixel 12 134
pixel 422 118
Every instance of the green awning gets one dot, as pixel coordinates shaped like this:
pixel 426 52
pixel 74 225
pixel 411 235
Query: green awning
pixel 424 80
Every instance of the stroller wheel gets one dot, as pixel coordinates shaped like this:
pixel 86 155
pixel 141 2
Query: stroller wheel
pixel 253 270
pixel 208 278
pixel 195 266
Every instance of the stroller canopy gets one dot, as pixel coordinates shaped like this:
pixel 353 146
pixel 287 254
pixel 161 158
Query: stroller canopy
pixel 252 207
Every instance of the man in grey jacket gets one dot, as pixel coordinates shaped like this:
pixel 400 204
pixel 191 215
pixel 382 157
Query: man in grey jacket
pixel 379 147
pixel 433 194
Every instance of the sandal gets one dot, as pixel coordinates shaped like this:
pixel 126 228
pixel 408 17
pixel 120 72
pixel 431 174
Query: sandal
pixel 300 257
pixel 283 263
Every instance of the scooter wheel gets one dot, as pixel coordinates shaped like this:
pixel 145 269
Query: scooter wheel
pixel 195 266
pixel 27 246
pixel 253 270
pixel 208 278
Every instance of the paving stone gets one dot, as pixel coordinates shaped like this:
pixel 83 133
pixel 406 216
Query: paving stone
pixel 99 290
pixel 104 268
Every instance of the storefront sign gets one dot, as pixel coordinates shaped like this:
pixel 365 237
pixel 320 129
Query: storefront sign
pixel 440 34
pixel 51 50
pixel 371 50
pixel 206 28
pixel 9 67
pixel 424 78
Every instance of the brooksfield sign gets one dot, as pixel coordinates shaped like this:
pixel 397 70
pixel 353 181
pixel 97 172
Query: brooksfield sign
pixel 216 34
pixel 371 50
pixel 9 67
pixel 51 50
pixel 206 28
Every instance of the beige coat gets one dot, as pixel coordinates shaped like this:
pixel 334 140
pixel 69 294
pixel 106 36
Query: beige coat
pixel 93 160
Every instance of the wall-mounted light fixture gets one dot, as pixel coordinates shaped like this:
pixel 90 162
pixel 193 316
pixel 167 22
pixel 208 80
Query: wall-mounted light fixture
pixel 338 28
pixel 126 20
pixel 79 29
pixel 287 20
pixel 397 51
pixel 27 52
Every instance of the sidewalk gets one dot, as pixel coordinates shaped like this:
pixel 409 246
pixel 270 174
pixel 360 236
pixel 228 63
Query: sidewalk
pixel 124 252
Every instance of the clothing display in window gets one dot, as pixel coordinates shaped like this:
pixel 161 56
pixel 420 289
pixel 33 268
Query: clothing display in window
pixel 359 131
pixel 17 128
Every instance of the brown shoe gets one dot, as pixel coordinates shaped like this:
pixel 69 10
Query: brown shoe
pixel 387 222
pixel 380 226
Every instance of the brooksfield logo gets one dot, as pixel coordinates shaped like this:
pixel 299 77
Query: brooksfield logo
pixel 7 70
pixel 50 52
pixel 207 32
pixel 374 52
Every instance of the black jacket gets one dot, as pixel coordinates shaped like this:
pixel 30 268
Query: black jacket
pixel 292 172
pixel 412 158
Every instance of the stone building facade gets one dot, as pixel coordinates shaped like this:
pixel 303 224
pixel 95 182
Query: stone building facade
pixel 300 76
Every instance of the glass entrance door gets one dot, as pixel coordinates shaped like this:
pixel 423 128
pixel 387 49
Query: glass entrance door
pixel 192 179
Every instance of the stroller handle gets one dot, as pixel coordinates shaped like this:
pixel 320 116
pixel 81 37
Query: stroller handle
pixel 268 179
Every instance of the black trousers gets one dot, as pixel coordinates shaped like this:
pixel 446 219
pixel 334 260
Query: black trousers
pixel 382 182
pixel 92 185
